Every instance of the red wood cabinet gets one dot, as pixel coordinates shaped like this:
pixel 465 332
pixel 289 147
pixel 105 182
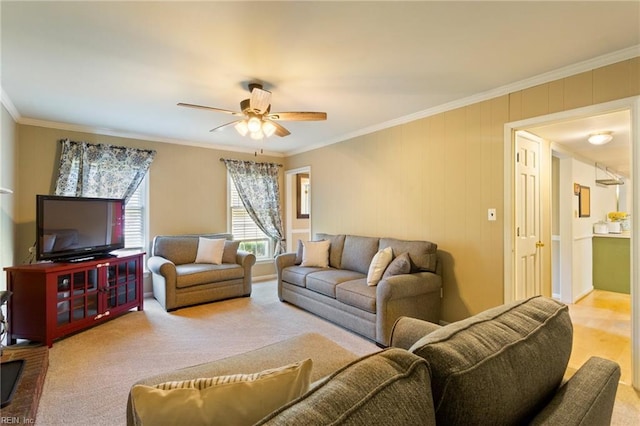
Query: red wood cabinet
pixel 51 300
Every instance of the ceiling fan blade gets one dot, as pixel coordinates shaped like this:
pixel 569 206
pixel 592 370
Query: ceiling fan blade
pixel 224 126
pixel 260 100
pixel 280 130
pixel 298 116
pixel 226 111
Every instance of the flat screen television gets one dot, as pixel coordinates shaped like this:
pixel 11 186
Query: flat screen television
pixel 77 228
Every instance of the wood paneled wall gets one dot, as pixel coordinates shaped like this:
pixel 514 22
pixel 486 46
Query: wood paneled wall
pixel 435 178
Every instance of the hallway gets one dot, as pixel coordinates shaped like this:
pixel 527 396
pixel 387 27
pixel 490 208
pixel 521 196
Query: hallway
pixel 602 327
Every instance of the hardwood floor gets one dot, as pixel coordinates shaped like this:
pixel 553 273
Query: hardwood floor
pixel 602 327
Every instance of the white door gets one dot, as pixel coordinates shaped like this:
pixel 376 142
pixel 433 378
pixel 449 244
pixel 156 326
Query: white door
pixel 527 218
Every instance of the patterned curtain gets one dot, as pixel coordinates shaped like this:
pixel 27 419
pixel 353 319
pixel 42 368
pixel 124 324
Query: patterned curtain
pixel 257 185
pixel 102 171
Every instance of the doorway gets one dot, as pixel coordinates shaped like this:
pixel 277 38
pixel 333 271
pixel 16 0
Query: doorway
pixel 633 106
pixel 298 206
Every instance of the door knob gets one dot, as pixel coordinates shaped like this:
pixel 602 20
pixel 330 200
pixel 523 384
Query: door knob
pixel 539 244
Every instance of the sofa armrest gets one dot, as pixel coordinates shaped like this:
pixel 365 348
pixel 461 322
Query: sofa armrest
pixel 283 260
pixel 245 259
pixel 407 331
pixel 408 285
pixel 161 266
pixel 410 295
pixel 587 398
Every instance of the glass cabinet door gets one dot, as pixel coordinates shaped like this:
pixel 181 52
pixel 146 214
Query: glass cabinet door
pixel 122 283
pixel 77 296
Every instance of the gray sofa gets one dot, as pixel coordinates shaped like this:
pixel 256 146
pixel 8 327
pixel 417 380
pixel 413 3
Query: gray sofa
pixel 178 281
pixel 505 366
pixel 340 292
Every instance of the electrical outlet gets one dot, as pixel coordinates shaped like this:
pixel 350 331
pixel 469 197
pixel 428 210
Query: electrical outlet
pixel 491 214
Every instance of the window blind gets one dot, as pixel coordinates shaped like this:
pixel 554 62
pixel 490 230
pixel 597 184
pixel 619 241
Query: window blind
pixel 242 226
pixel 134 219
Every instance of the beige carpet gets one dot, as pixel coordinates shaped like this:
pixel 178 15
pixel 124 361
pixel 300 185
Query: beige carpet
pixel 90 373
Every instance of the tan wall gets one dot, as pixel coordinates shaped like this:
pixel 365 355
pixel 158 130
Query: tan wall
pixel 435 178
pixel 8 141
pixel 188 185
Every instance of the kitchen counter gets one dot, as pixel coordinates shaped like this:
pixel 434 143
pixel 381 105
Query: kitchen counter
pixel 625 234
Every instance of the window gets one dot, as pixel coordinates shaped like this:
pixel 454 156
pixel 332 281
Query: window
pixel 135 218
pixel 244 229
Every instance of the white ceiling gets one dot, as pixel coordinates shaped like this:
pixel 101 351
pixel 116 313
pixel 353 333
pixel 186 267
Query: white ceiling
pixel 571 136
pixel 121 67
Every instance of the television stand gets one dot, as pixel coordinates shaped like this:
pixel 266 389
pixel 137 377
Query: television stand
pixel 92 257
pixel 53 300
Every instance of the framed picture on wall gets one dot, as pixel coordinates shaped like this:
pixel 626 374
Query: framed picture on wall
pixel 584 202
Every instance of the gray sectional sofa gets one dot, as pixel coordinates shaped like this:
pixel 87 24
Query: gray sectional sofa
pixel 340 292
pixel 504 366
pixel 178 281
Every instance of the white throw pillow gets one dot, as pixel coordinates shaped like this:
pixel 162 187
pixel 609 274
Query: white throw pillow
pixel 240 399
pixel 378 264
pixel 315 253
pixel 210 250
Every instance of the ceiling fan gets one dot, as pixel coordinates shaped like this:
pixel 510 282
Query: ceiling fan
pixel 257 119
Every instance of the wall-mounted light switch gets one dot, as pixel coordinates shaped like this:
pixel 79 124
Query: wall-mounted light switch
pixel 491 214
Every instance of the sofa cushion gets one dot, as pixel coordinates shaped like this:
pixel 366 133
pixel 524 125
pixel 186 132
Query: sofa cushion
pixel 180 249
pixel 358 294
pixel 237 399
pixel 358 253
pixel 299 249
pixel 335 251
pixel 315 254
pixel 297 275
pixel 500 366
pixel 392 384
pixel 191 274
pixel 398 266
pixel 423 254
pixel 230 251
pixel 325 282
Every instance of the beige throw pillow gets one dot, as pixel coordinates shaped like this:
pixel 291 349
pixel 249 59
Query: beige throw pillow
pixel 210 250
pixel 240 399
pixel 378 264
pixel 315 253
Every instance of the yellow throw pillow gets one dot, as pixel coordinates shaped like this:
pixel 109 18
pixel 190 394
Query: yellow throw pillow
pixel 240 399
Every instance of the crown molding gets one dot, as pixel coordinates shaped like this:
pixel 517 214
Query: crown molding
pixel 8 104
pixel 139 136
pixel 577 68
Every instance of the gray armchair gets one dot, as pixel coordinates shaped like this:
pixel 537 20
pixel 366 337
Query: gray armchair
pixel 178 281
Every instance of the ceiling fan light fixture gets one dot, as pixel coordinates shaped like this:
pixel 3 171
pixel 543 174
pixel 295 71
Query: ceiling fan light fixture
pixel 268 128
pixel 242 128
pixel 257 135
pixel 600 138
pixel 254 124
